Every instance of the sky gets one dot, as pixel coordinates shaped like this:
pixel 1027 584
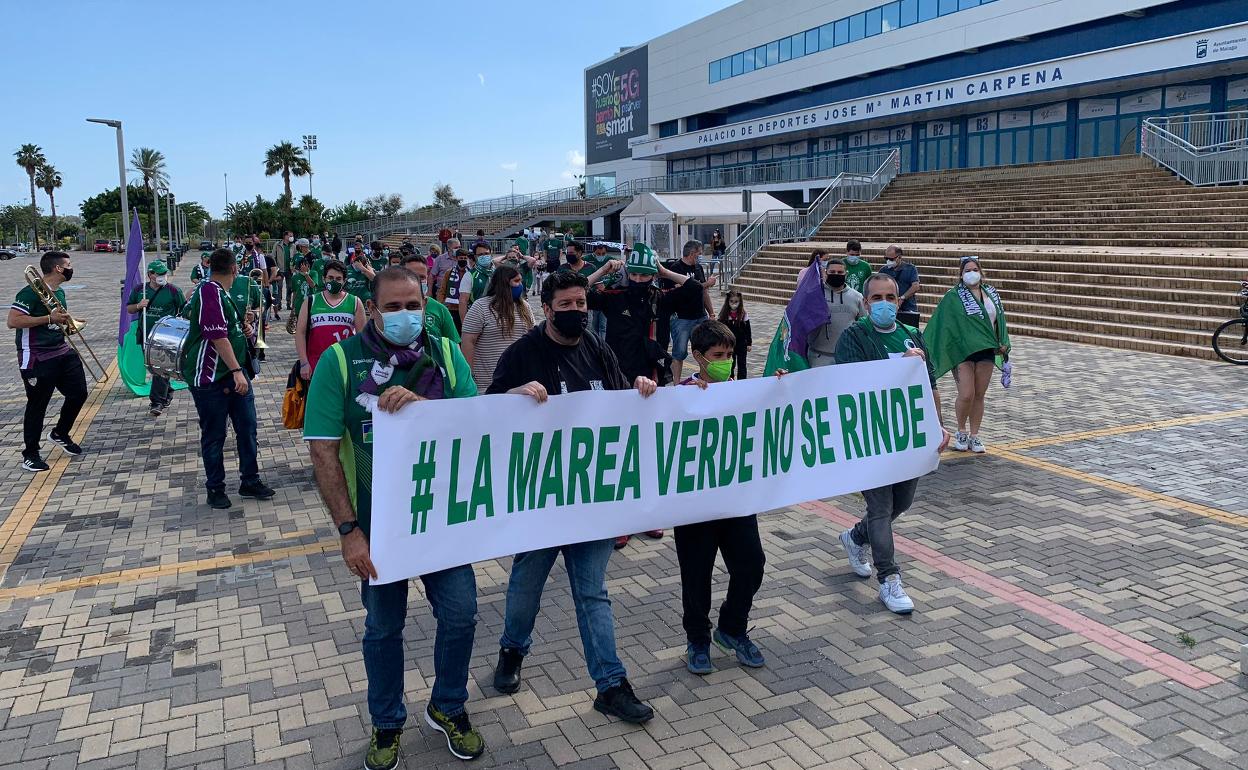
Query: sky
pixel 401 94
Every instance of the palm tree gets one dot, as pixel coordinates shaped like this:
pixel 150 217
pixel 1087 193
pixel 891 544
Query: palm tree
pixel 30 158
pixel 150 164
pixel 48 179
pixel 286 159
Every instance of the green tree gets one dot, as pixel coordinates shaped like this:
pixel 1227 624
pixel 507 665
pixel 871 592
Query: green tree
pixel 384 205
pixel 109 201
pixel 196 215
pixel 30 157
pixel 48 179
pixel 444 196
pixel 286 159
pixel 150 165
pixel 239 217
pixel 15 222
pixel 347 212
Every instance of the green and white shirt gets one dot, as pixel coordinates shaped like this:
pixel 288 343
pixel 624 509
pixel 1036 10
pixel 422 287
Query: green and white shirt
pixel 38 343
pixel 333 414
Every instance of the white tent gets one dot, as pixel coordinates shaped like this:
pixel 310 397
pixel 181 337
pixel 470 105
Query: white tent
pixel 664 221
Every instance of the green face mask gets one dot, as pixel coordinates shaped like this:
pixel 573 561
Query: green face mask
pixel 719 371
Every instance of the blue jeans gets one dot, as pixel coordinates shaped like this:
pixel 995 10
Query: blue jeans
pixel 681 329
pixel 453 596
pixel 598 323
pixel 587 575
pixel 216 404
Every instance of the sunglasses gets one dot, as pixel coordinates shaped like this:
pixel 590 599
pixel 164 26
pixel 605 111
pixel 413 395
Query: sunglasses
pixel 964 260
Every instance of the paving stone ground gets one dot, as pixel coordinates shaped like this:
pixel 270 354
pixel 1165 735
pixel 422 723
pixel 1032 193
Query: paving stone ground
pixel 1082 593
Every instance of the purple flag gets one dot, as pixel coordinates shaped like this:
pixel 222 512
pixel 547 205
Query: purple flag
pixel 807 310
pixel 134 274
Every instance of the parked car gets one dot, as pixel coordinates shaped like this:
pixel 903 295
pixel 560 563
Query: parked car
pixel 206 246
pixel 103 245
pixel 7 254
pixel 116 244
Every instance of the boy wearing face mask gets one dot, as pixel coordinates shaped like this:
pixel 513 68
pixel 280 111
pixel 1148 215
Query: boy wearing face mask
pixel 395 361
pixel 450 287
pixel 713 346
pixel 158 299
pixel 857 269
pixel 473 285
pixel 875 338
pixel 332 315
pixel 360 274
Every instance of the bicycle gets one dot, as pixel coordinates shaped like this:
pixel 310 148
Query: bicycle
pixel 1230 341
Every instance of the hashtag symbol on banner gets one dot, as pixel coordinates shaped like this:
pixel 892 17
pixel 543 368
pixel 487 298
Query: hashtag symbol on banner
pixel 423 471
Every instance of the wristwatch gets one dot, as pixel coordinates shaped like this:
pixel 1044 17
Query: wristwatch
pixel 346 527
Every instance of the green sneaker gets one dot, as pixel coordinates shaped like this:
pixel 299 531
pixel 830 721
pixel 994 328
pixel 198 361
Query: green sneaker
pixel 463 741
pixel 383 750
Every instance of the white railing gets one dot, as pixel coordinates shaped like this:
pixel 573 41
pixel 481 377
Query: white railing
pixel 521 206
pixel 778 226
pixel 1201 149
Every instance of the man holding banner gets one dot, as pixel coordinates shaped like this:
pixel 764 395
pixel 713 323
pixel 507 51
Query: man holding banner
pixel 558 357
pixel 394 361
pixel 876 338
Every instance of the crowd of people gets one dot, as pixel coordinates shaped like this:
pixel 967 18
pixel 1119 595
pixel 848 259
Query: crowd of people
pixel 452 322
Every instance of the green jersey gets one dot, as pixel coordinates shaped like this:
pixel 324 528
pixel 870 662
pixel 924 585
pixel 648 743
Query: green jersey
pixel 856 275
pixel 359 284
pixel 480 280
pixel 896 342
pixel 333 413
pixel 38 343
pixel 213 315
pixel 199 273
pixel 163 301
pixel 438 321
pixel 246 293
pixel 303 286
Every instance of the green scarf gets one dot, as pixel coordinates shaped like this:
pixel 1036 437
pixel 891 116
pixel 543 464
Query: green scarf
pixel 960 327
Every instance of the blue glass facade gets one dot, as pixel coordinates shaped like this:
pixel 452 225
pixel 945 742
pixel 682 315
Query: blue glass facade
pixel 874 21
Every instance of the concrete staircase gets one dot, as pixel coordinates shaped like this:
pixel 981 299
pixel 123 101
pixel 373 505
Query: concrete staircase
pixel 1115 253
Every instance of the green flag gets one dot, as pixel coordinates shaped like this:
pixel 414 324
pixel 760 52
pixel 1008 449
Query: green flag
pixel 959 327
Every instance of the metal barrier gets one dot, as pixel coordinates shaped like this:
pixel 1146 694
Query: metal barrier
pixel 778 226
pixel 522 206
pixel 1201 149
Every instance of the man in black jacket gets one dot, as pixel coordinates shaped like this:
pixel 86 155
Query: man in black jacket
pixel 557 357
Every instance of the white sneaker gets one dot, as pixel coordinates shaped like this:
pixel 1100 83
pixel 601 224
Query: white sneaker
pixel 857 555
pixel 894 597
pixel 977 446
pixel 961 442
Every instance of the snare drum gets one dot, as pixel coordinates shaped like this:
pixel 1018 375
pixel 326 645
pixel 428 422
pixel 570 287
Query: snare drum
pixel 166 347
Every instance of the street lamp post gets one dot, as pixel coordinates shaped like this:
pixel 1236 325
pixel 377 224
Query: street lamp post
pixel 227 189
pixel 513 193
pixel 169 218
pixel 309 144
pixel 121 172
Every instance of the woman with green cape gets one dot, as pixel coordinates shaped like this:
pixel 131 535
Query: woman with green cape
pixel 967 336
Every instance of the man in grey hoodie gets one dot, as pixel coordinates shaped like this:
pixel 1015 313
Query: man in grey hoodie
pixel 845 306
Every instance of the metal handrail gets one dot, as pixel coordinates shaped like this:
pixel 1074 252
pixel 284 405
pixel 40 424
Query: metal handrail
pixel 779 225
pixel 807 168
pixel 1219 154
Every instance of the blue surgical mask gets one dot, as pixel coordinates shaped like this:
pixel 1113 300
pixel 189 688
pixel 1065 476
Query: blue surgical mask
pixel 402 327
pixel 517 291
pixel 852 259
pixel 484 261
pixel 883 314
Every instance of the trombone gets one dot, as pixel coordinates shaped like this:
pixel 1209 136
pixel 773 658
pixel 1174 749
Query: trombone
pixel 74 328
pixel 256 275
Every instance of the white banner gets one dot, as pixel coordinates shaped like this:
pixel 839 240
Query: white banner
pixel 457 482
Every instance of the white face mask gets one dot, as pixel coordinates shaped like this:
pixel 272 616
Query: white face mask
pixel 971 277
pixel 161 280
pixel 890 263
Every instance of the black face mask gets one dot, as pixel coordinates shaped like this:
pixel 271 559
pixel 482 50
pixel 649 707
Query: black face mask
pixel 463 263
pixel 571 323
pixel 68 273
pixel 638 287
pixel 836 280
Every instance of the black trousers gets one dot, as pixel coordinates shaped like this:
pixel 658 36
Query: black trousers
pixel 696 545
pixel 63 373
pixel 742 368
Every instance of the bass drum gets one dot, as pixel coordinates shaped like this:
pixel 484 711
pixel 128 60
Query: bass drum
pixel 166 346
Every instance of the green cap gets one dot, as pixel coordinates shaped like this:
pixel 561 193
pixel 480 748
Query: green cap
pixel 157 267
pixel 642 260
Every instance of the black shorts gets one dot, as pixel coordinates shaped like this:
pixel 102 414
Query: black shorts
pixel 984 355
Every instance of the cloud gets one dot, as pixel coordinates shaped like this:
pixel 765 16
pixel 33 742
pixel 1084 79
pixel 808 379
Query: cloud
pixel 481 77
pixel 512 166
pixel 576 165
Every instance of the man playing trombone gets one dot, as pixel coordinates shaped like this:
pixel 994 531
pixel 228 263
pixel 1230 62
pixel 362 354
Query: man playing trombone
pixel 158 299
pixel 47 361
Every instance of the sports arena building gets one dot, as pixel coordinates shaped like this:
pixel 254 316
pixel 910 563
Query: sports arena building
pixel 949 83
